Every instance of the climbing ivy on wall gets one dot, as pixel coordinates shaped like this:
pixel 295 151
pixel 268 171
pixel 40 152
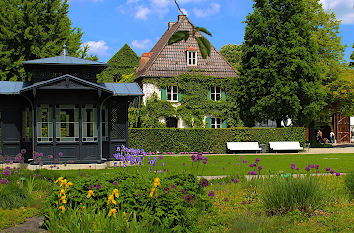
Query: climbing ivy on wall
pixel 194 105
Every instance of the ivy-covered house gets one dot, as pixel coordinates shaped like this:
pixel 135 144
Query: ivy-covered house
pixel 199 89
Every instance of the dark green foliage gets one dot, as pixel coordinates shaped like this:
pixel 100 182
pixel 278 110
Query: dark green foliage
pixel 349 182
pixel 123 63
pixel 168 210
pixel 210 140
pixel 352 57
pixel 13 196
pixel 280 76
pixel 178 36
pixel 34 29
pixel 282 195
pixel 232 53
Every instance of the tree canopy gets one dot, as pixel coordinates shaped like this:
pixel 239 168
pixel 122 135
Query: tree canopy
pixel 352 58
pixel 232 53
pixel 280 74
pixel 35 29
pixel 120 66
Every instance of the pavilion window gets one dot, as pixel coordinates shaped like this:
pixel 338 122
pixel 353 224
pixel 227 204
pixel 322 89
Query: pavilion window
pixel 104 124
pixel 26 125
pixel 67 123
pixel 44 123
pixel 89 123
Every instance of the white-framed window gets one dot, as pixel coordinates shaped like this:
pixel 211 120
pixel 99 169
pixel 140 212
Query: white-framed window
pixel 27 125
pixel 67 123
pixel 215 123
pixel 44 123
pixel 192 58
pixel 172 93
pixel 215 93
pixel 89 123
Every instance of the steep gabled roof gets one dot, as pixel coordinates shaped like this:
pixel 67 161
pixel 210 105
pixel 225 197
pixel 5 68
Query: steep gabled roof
pixel 170 60
pixel 63 60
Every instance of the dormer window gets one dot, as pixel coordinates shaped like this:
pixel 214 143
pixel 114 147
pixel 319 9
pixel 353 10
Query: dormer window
pixel 191 56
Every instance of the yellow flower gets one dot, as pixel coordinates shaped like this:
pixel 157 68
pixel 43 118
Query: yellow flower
pixel 112 211
pixel 157 180
pixel 90 193
pixel 111 200
pixel 115 192
pixel 124 214
pixel 63 182
pixel 62 192
pixel 151 194
pixel 63 199
pixel 69 184
pixel 62 208
pixel 59 180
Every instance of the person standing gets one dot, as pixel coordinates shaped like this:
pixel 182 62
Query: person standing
pixel 319 136
pixel 332 137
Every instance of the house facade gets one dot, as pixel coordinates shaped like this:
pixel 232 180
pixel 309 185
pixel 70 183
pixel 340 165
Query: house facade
pixel 165 61
pixel 63 113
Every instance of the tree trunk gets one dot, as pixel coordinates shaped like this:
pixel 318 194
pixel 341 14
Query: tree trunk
pixel 278 123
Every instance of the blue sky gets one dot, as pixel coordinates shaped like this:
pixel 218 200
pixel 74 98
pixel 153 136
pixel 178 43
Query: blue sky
pixel 109 24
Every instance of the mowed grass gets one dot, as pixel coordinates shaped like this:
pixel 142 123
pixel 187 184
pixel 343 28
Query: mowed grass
pixel 272 164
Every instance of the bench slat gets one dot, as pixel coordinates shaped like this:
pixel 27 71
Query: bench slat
pixel 243 146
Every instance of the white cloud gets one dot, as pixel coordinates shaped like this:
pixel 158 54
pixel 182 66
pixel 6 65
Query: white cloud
pixel 160 3
pixel 97 47
pixel 213 9
pixel 142 44
pixel 344 9
pixel 184 11
pixel 142 13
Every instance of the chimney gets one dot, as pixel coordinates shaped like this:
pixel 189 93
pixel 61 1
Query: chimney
pixel 144 59
pixel 170 24
pixel 180 17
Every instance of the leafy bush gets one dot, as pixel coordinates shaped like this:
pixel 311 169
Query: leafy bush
pixel 13 196
pixel 349 182
pixel 315 144
pixel 210 140
pixel 281 195
pixel 168 210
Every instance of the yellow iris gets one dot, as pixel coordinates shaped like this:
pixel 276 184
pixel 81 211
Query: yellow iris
pixel 63 182
pixel 59 180
pixel 115 192
pixel 112 212
pixel 90 193
pixel 63 199
pixel 62 192
pixel 111 200
pixel 62 208
pixel 69 184
pixel 157 180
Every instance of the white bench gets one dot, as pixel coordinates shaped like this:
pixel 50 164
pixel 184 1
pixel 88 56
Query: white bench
pixel 243 146
pixel 285 146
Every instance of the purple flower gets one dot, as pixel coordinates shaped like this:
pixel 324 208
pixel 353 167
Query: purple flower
pixel 328 169
pixel 160 157
pixel 195 160
pixel 149 170
pixel 292 166
pixel 6 172
pixel 235 180
pixel 163 164
pixel 205 160
pixel 332 172
pixel 115 164
pixel 193 157
pixel 244 161
pixel 115 182
pixel 200 156
pixel 60 154
pixel 260 168
pixel 241 157
pixel 297 169
pixel 173 186
pixel 23 151
pixel 188 198
pixel 159 171
pixel 257 160
pixel 307 168
pixel 317 171
pixel 337 173
pixel 211 194
pixel 166 189
pixel 204 183
pixel 15 172
pixel 50 156
pixel 317 166
pixel 98 186
pixel 4 181
pixel 252 173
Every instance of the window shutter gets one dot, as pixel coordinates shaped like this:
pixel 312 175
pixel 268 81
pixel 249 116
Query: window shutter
pixel 180 93
pixel 223 95
pixel 163 93
pixel 209 94
pixel 208 122
pixel 224 124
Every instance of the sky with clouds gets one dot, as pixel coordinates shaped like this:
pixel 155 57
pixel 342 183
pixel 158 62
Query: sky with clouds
pixel 109 24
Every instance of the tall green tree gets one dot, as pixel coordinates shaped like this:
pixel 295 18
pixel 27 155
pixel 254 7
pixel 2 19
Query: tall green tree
pixel 280 75
pixel 123 63
pixel 351 64
pixel 32 29
pixel 232 53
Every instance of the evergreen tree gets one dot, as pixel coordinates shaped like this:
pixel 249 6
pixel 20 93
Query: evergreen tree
pixel 232 53
pixel 34 29
pixel 279 65
pixel 123 63
pixel 351 64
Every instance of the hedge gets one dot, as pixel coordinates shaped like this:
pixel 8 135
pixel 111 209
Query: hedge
pixel 208 140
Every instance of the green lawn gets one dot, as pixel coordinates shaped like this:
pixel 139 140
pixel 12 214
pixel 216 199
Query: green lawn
pixel 272 164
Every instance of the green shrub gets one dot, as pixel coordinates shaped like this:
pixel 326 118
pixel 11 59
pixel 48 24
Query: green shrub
pixel 281 195
pixel 349 182
pixel 210 140
pixel 14 196
pixel 168 210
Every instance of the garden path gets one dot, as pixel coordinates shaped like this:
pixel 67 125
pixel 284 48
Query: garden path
pixel 31 225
